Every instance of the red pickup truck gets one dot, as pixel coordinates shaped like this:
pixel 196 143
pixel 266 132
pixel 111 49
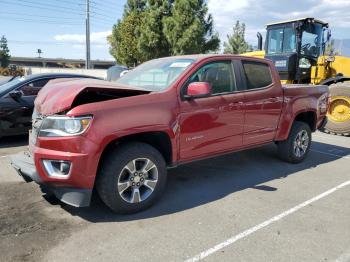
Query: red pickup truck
pixel 120 137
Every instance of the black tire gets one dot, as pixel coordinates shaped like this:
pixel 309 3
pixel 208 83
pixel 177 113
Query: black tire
pixel 111 171
pixel 338 128
pixel 286 148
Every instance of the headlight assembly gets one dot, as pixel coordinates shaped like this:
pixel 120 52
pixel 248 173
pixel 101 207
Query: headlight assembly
pixel 54 126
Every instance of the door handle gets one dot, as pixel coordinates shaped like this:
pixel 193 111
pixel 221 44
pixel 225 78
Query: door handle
pixel 273 99
pixel 236 103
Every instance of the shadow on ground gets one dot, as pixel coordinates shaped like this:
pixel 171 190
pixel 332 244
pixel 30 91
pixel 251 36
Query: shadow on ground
pixel 202 182
pixel 13 141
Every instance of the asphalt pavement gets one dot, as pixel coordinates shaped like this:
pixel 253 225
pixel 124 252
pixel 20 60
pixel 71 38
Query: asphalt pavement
pixel 246 206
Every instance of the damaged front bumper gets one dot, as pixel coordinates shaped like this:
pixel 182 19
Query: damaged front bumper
pixel 24 164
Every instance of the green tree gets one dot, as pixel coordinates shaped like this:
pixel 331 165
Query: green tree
pixel 157 28
pixel 189 28
pixel 152 41
pixel 125 34
pixel 236 43
pixel 4 52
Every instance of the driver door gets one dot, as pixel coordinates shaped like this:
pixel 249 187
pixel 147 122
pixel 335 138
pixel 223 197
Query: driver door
pixel 212 124
pixel 16 113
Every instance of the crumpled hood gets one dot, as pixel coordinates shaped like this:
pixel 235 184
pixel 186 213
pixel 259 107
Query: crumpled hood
pixel 56 97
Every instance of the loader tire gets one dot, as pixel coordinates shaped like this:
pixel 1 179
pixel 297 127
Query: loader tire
pixel 338 115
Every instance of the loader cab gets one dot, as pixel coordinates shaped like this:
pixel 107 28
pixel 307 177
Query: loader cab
pixel 294 47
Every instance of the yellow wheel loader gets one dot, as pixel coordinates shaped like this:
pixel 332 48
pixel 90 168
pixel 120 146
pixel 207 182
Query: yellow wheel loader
pixel 297 48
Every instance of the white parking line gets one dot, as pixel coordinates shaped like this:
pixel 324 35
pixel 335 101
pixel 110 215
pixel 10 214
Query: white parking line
pixel 3 156
pixel 330 154
pixel 250 231
pixel 327 137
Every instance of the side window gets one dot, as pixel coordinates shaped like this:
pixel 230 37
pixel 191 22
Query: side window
pixel 258 74
pixel 33 88
pixel 218 74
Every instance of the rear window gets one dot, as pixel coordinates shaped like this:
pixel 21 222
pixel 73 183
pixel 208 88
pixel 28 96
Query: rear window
pixel 258 74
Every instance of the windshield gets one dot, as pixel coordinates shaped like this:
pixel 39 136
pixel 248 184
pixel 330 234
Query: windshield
pixel 9 85
pixel 281 40
pixel 156 75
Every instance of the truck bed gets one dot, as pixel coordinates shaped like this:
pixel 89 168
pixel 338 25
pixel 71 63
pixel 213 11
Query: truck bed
pixel 299 89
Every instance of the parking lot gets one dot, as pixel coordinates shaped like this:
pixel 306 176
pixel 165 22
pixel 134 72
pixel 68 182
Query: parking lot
pixel 246 206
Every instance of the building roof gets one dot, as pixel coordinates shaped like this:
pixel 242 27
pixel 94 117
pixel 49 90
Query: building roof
pixel 59 60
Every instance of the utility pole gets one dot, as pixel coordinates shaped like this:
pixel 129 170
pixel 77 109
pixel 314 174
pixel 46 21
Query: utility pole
pixel 87 20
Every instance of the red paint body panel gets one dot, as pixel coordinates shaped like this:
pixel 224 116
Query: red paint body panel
pixel 197 128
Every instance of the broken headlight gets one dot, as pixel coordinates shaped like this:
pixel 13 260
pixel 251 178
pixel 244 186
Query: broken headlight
pixel 53 126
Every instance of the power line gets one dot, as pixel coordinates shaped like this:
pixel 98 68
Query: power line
pixel 68 2
pixel 53 21
pixel 41 7
pixel 47 5
pixel 97 15
pixel 73 19
pixel 103 10
pixel 43 16
pixel 37 21
pixel 103 15
pixel 102 3
pixel 106 1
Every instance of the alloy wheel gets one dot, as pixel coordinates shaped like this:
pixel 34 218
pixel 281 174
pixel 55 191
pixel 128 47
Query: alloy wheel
pixel 301 143
pixel 137 180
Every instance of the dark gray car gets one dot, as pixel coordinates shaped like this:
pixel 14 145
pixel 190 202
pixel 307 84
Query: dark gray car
pixel 17 101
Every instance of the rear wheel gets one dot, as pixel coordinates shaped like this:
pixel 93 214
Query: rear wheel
pixel 132 178
pixel 297 146
pixel 338 115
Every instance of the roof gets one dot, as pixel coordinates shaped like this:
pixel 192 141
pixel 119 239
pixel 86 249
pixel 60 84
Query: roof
pixel 199 56
pixel 299 19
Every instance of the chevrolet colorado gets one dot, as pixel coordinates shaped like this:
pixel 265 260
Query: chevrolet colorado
pixel 121 137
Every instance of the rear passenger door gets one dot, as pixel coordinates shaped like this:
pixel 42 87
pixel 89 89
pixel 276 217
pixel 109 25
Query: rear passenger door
pixel 262 103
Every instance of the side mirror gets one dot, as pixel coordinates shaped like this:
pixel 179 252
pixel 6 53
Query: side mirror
pixel 198 90
pixel 329 34
pixel 16 94
pixel 260 41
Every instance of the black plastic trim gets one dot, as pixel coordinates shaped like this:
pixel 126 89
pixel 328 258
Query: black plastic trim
pixel 334 80
pixel 23 163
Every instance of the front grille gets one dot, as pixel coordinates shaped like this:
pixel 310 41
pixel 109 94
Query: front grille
pixel 37 120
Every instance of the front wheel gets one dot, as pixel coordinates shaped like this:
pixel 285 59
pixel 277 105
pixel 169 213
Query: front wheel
pixel 132 178
pixel 297 145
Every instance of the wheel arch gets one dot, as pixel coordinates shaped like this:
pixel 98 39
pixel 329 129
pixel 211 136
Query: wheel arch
pixel 308 117
pixel 160 140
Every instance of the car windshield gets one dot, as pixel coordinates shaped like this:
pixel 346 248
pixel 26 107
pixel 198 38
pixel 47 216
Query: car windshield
pixel 9 85
pixel 156 75
pixel 281 40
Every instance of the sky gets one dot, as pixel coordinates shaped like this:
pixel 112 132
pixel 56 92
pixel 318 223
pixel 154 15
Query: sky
pixel 57 27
